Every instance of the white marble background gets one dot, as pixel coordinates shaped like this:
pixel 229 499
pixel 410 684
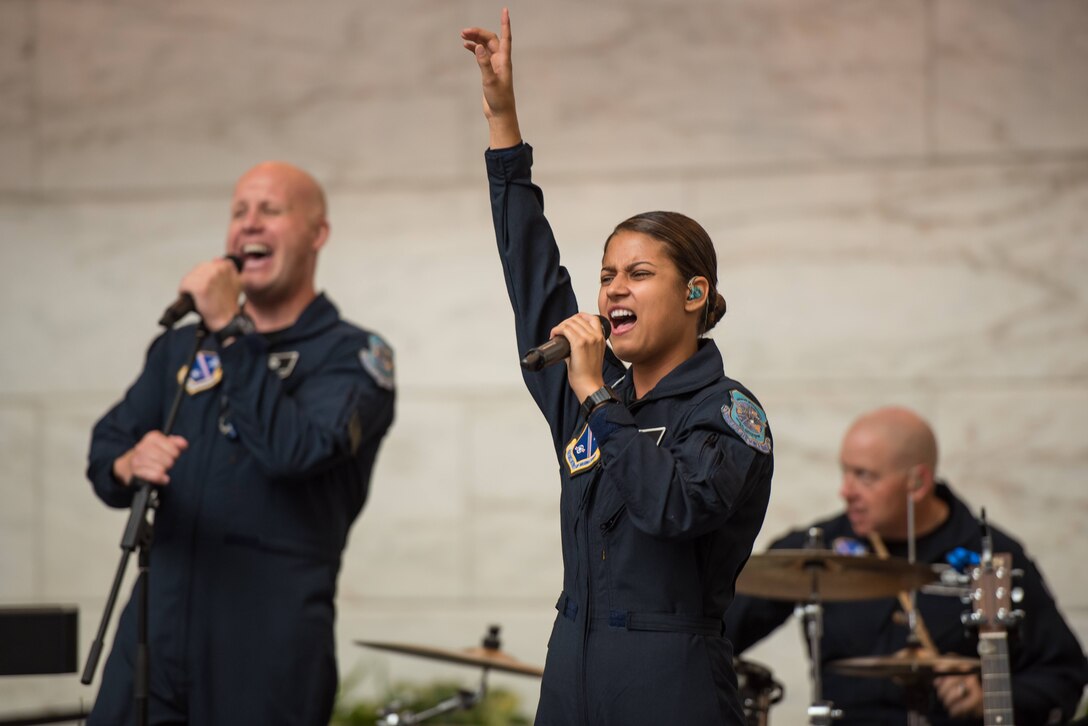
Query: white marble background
pixel 898 191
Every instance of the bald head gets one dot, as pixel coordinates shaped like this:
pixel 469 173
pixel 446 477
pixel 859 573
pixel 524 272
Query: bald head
pixel 889 456
pixel 298 186
pixel 909 438
pixel 278 226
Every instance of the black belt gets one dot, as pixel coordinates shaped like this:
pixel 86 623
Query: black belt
pixel 652 622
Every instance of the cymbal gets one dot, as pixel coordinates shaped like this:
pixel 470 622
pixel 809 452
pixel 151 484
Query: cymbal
pixel 905 664
pixel 788 575
pixel 478 656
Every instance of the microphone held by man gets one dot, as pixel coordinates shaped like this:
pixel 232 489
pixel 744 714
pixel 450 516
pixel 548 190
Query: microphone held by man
pixel 185 303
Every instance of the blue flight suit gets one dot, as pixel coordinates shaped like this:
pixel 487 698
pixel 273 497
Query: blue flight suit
pixel 661 500
pixel 1048 667
pixel 283 429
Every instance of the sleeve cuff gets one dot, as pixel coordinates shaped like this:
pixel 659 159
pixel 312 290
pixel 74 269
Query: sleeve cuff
pixel 608 419
pixel 513 162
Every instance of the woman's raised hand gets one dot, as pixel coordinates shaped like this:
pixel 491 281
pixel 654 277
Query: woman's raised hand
pixel 493 56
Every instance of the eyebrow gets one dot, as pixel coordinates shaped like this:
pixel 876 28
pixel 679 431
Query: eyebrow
pixel 633 265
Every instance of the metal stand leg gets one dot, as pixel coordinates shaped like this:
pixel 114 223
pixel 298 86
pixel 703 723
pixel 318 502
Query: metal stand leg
pixel 820 712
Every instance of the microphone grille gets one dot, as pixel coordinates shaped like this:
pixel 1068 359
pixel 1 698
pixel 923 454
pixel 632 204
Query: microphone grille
pixel 606 326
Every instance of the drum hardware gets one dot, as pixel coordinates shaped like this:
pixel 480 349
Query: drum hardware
pixel 914 668
pixel 488 656
pixel 781 575
pixel 820 712
pixel 813 575
pixel 920 662
pixel 758 691
pixel 906 665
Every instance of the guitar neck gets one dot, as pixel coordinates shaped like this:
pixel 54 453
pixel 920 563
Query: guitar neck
pixel 993 652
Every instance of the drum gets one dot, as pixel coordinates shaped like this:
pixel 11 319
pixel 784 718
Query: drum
pixel 758 691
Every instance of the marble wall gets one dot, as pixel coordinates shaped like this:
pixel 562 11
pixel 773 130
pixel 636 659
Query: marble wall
pixel 898 191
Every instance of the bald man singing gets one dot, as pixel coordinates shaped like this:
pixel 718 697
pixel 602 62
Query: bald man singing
pixel 887 456
pixel 259 481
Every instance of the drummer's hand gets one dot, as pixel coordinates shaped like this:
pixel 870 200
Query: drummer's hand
pixel 586 337
pixel 960 694
pixel 493 55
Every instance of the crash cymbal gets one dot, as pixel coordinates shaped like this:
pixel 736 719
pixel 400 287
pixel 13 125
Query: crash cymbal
pixel 905 664
pixel 478 656
pixel 788 575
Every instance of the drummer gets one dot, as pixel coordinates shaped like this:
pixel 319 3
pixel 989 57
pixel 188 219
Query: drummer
pixel 885 455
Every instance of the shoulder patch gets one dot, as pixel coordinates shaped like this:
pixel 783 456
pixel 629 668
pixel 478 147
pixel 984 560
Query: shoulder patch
pixel 747 419
pixel 377 359
pixel 849 546
pixel 204 375
pixel 283 362
pixel 582 451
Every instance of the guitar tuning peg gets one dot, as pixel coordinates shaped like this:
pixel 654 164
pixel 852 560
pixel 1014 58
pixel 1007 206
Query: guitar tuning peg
pixel 971 619
pixel 1011 618
pixel 1017 572
pixel 1017 595
pixel 952 577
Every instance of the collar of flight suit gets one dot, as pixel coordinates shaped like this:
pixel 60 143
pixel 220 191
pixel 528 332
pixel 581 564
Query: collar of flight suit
pixel 697 372
pixel 318 316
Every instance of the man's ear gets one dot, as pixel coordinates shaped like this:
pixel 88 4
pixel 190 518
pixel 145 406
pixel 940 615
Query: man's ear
pixel 321 235
pixel 920 481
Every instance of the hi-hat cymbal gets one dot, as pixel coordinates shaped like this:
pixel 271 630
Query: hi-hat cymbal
pixel 905 664
pixel 789 574
pixel 479 656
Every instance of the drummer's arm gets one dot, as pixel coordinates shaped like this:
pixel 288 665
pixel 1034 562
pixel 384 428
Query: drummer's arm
pixel 751 619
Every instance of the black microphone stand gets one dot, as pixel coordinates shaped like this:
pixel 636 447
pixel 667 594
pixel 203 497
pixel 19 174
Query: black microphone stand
pixel 139 534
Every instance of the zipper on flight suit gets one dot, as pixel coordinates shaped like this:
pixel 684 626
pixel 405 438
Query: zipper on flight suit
pixel 608 525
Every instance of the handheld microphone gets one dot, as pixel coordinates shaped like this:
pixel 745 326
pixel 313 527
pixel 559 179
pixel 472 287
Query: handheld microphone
pixel 555 350
pixel 185 305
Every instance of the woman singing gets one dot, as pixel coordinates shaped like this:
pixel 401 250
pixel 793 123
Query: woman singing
pixel 666 464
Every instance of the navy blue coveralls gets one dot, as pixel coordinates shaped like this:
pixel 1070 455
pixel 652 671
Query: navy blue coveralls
pixel 283 430
pixel 661 501
pixel 1048 666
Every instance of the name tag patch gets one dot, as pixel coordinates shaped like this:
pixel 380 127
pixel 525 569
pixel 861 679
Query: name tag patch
pixel 283 362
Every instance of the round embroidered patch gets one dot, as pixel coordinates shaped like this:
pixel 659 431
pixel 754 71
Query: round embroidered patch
pixel 747 419
pixel 377 359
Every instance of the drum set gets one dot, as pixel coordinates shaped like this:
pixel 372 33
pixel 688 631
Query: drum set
pixel 808 577
pixel 758 688
pixel 814 575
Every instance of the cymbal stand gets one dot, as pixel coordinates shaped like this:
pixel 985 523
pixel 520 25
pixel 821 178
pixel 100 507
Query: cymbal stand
pixel 462 700
pixel 917 692
pixel 912 617
pixel 820 712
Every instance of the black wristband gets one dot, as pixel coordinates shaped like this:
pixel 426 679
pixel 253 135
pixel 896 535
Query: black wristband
pixel 599 397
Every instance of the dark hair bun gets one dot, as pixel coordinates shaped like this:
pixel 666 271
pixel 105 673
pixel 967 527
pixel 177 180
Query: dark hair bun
pixel 715 313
